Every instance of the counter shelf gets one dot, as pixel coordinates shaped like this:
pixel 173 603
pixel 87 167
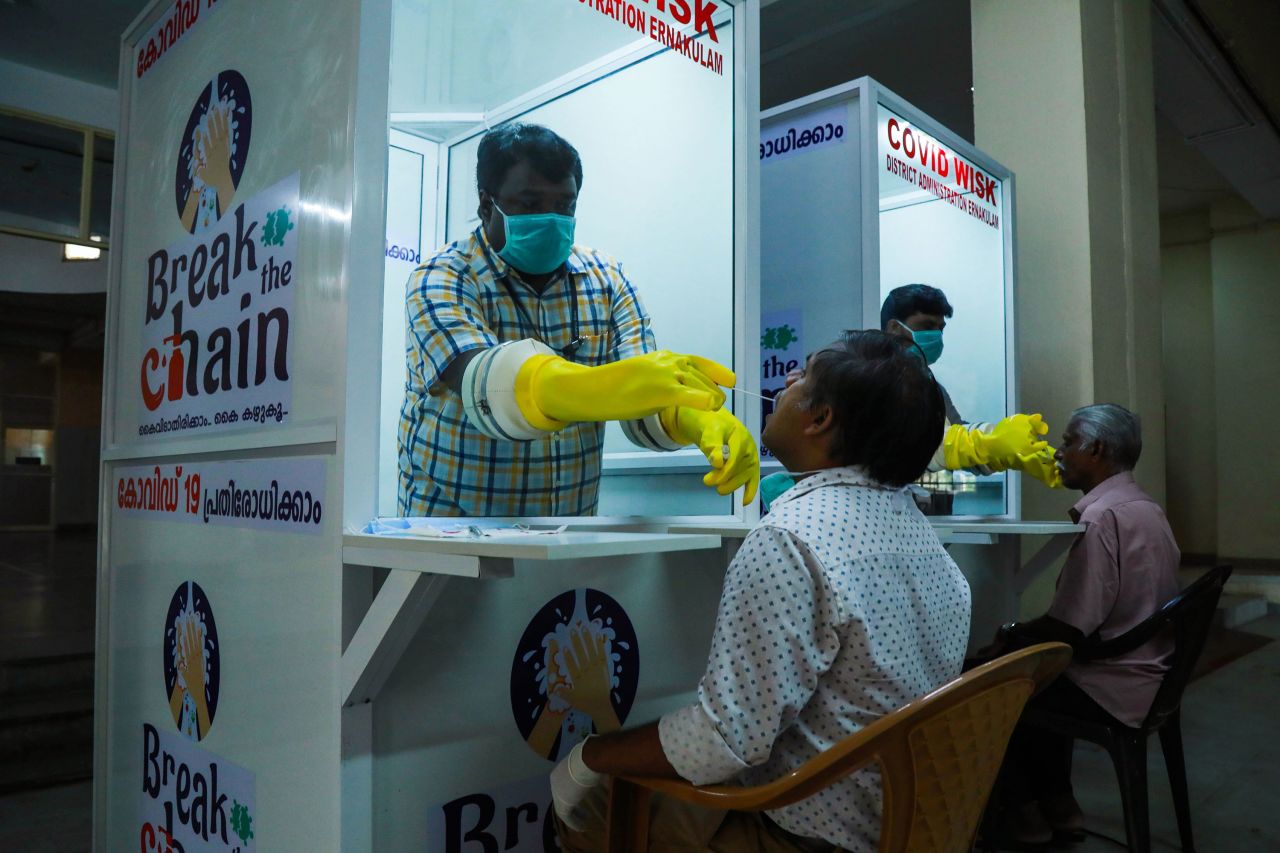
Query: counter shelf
pixel 419 568
pixel 1002 536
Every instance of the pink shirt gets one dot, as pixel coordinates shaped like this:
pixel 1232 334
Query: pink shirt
pixel 1121 570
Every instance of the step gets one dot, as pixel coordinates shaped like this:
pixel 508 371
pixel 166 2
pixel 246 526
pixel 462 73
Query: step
pixel 46 674
pixel 1264 584
pixel 29 707
pixel 53 734
pixel 1237 609
pixel 45 771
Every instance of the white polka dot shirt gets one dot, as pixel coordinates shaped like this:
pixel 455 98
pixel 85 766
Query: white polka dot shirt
pixel 840 606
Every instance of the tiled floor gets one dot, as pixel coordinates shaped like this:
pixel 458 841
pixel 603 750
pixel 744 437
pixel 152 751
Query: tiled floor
pixel 55 819
pixel 1231 733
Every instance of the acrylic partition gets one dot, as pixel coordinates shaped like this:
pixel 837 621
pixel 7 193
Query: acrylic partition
pixel 942 220
pixel 940 214
pixel 652 114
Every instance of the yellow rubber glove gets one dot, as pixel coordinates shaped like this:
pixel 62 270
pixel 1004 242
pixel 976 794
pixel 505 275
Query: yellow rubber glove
pixel 725 442
pixel 552 392
pixel 1040 465
pixel 997 449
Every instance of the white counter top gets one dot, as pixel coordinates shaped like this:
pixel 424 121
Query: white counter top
pixel 947 530
pixel 492 556
pixel 1015 528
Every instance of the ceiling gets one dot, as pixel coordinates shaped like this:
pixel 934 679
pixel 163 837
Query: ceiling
pixel 74 38
pixel 806 45
pixel 865 38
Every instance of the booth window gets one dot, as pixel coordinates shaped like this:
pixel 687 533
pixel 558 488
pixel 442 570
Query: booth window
pixel 932 197
pixel 654 126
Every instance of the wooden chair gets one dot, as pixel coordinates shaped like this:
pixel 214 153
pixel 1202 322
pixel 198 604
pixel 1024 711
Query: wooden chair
pixel 938 756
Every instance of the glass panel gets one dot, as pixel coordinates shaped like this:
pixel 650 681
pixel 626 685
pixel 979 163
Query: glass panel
pixel 104 155
pixel 942 223
pixel 647 101
pixel 810 289
pixel 40 173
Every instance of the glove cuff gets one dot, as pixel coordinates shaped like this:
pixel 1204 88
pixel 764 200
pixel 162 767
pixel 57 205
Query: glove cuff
pixel 489 395
pixel 579 772
pixel 524 393
pixel 651 433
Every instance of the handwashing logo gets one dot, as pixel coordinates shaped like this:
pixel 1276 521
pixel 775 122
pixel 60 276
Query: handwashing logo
pixel 212 151
pixel 192 665
pixel 575 671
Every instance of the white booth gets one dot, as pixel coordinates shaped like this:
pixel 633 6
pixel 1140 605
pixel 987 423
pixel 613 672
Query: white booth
pixel 898 199
pixel 279 672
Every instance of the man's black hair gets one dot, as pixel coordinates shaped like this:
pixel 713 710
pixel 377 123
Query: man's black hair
pixel 550 155
pixel 910 299
pixel 888 409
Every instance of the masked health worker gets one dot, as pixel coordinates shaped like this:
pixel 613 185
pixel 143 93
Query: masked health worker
pixel 917 314
pixel 521 344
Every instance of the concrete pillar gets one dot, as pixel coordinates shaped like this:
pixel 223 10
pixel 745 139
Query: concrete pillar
pixel 1063 95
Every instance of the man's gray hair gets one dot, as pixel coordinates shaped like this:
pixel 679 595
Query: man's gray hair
pixel 1115 427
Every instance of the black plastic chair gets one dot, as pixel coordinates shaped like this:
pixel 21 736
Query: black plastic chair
pixel 1188 616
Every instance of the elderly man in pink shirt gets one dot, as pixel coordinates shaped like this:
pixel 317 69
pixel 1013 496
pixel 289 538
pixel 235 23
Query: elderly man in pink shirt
pixel 1119 571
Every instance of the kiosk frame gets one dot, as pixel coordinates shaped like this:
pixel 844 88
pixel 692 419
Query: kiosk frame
pixel 869 95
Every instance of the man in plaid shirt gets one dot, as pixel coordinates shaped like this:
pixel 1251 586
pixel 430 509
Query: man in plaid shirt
pixel 521 345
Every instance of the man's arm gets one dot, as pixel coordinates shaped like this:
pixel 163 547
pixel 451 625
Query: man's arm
pixel 756 682
pixel 1085 595
pixel 752 690
pixel 445 321
pixel 452 376
pixel 629 325
pixel 634 752
pixel 1042 629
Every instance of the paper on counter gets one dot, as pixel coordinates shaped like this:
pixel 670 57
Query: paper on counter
pixel 429 528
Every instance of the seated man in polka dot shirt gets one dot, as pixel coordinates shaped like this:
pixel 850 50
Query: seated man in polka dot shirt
pixel 840 607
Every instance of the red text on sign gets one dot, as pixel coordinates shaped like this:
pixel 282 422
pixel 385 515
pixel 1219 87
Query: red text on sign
pixel 931 155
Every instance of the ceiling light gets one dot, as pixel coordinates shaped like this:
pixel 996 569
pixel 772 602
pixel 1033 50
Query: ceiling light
pixel 73 252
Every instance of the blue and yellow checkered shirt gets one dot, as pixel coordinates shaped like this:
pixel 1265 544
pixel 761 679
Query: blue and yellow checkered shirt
pixel 456 302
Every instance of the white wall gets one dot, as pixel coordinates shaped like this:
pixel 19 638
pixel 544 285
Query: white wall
pixel 1221 349
pixel 1191 467
pixel 1245 257
pixel 36 266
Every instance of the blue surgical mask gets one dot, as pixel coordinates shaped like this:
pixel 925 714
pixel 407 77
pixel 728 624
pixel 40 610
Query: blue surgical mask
pixel 772 486
pixel 537 243
pixel 929 341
